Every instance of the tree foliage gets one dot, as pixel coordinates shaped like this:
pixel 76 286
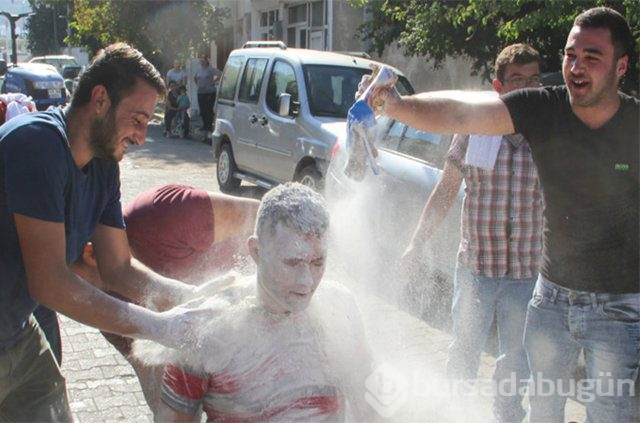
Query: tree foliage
pixel 47 27
pixel 161 29
pixel 479 29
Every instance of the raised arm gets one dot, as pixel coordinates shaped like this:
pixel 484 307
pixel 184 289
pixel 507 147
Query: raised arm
pixel 450 112
pixel 235 216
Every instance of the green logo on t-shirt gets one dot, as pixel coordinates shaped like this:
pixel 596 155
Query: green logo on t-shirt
pixel 622 166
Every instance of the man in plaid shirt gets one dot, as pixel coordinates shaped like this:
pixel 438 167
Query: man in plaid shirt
pixel 501 239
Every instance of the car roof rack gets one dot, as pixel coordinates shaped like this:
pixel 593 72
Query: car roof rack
pixel 252 44
pixel 362 54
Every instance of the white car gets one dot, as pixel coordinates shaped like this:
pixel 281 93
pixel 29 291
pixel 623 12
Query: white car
pixel 59 61
pixel 67 66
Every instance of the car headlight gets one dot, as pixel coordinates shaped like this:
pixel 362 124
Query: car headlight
pixel 45 85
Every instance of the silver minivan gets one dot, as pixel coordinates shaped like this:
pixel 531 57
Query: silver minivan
pixel 276 109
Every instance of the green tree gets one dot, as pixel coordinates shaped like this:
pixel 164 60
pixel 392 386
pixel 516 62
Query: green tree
pixel 47 26
pixel 161 29
pixel 481 28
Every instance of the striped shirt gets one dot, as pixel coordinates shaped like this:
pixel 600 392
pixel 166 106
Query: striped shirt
pixel 228 399
pixel 501 228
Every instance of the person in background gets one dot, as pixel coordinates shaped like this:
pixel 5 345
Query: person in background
pixel 584 141
pixel 206 78
pixel 281 345
pixel 170 107
pixel 60 187
pixel 176 74
pixel 184 103
pixel 184 233
pixel 501 239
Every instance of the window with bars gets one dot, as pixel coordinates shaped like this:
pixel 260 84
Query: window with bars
pixel 268 19
pixel 307 20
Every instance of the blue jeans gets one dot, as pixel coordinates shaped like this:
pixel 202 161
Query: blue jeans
pixel 606 327
pixel 477 300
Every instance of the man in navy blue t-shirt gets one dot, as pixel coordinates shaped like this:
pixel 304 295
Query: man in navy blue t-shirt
pixel 584 141
pixel 59 188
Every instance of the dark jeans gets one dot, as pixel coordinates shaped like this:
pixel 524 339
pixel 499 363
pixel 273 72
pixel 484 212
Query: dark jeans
pixel 186 122
pixel 32 388
pixel 169 114
pixel 205 103
pixel 48 322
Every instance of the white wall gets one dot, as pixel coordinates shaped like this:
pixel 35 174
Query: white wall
pixel 454 73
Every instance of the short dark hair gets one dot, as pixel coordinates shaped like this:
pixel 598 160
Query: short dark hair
pixel 519 54
pixel 605 17
pixel 118 68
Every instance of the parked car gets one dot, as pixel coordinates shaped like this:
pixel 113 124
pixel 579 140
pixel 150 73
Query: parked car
pixel 67 66
pixel 41 82
pixel 374 219
pixel 71 76
pixel 274 109
pixel 59 61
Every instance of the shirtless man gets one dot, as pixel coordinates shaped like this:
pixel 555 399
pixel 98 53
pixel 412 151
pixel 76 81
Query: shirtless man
pixel 268 352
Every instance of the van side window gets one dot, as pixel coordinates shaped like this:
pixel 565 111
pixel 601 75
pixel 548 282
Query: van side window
pixel 425 146
pixel 394 135
pixel 230 78
pixel 281 81
pixel 252 80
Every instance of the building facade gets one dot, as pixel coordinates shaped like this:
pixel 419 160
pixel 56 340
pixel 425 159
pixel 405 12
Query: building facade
pixel 328 25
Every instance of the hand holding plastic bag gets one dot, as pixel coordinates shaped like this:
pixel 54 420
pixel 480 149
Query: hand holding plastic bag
pixel 361 123
pixel 378 88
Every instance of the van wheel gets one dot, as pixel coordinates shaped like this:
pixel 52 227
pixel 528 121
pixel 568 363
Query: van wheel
pixel 310 177
pixel 225 169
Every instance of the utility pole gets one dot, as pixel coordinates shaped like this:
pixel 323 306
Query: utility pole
pixel 68 29
pixel 54 18
pixel 12 23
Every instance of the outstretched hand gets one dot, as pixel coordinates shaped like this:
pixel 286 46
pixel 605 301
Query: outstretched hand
pixel 179 325
pixel 382 97
pixel 217 286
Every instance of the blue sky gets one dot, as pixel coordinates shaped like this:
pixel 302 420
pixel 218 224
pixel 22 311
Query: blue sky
pixel 14 6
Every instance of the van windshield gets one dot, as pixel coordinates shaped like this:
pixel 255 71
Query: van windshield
pixel 331 89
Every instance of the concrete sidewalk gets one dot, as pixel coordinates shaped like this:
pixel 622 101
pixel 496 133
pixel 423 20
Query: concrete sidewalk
pixel 102 385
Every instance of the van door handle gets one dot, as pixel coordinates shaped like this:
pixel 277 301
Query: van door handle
pixel 263 121
pixel 253 119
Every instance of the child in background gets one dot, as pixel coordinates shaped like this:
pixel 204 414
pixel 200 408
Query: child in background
pixel 183 110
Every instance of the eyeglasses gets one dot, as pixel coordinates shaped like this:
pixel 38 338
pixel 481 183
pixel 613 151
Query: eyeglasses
pixel 520 82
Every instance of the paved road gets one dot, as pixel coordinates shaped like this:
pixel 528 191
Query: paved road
pixel 104 388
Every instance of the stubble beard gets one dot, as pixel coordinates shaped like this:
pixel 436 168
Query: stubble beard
pixel 102 137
